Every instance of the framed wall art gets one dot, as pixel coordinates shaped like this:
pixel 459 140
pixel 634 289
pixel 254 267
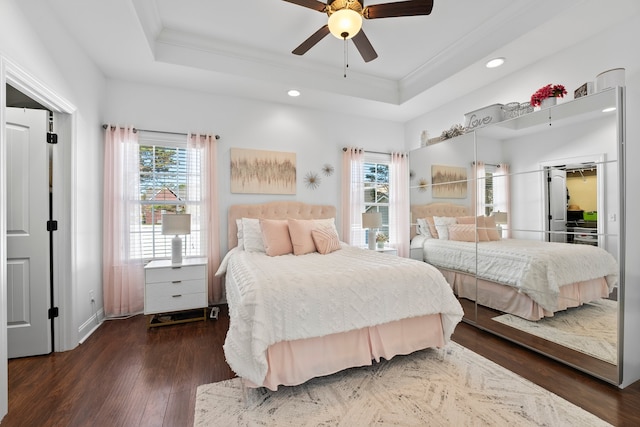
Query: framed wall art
pixel 262 172
pixel 448 182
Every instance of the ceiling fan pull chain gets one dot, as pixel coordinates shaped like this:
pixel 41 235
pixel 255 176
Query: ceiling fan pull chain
pixel 346 57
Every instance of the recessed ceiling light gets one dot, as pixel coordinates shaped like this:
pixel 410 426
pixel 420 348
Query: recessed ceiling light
pixel 495 62
pixel 293 93
pixel 608 110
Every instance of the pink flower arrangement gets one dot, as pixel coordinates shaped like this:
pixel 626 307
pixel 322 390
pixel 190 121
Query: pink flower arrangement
pixel 548 91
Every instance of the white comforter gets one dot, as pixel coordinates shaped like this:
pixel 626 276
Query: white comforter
pixel 290 297
pixel 536 268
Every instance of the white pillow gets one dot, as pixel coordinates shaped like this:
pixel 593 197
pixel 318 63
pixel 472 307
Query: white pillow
pixel 240 234
pixel 252 235
pixel 423 228
pixel 442 224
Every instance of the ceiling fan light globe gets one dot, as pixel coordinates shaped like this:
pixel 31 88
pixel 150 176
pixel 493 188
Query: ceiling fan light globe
pixel 345 21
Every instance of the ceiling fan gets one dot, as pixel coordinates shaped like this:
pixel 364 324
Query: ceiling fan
pixel 345 20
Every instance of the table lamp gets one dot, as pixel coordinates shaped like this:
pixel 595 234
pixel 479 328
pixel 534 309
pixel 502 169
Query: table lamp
pixel 372 221
pixel 176 224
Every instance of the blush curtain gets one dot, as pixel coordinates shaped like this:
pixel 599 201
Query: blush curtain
pixel 352 196
pixel 202 187
pixel 399 221
pixel 479 174
pixel 123 277
pixel 501 191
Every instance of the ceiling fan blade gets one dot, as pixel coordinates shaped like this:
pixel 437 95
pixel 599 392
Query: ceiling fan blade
pixel 401 8
pixel 311 41
pixel 311 4
pixel 364 46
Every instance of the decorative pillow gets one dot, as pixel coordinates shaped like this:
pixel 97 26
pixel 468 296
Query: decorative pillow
pixel 483 235
pixel 463 232
pixel 492 228
pixel 252 235
pixel 326 222
pixel 275 236
pixel 239 234
pixel 442 224
pixel 432 227
pixel 326 240
pixel 466 219
pixel 482 231
pixel 424 228
pixel 300 232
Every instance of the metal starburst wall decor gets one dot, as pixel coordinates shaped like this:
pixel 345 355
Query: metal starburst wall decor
pixel 312 180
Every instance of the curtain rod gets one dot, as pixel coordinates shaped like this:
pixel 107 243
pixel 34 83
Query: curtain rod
pixel 157 131
pixel 488 164
pixel 374 152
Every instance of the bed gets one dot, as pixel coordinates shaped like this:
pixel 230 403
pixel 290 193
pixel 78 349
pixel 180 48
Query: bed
pixel 526 278
pixel 296 317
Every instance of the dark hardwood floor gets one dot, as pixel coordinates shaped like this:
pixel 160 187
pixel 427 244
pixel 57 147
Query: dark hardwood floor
pixel 126 375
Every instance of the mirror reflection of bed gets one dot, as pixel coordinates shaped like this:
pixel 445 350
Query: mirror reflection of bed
pixel 542 291
pixel 584 148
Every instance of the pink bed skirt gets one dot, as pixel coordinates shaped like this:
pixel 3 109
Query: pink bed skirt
pixel 294 362
pixel 509 300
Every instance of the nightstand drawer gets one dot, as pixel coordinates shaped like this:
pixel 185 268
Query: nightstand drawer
pixel 169 274
pixel 176 287
pixel 162 303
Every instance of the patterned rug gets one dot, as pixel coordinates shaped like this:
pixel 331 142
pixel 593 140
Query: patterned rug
pixel 452 387
pixel 590 328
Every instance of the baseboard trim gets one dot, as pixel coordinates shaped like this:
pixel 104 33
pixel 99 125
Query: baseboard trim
pixel 90 326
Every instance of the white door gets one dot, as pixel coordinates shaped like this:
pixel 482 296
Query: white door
pixel 28 294
pixel 557 205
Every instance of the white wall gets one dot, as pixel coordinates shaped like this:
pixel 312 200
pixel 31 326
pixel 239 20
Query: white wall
pixel 613 48
pixel 317 137
pixel 46 54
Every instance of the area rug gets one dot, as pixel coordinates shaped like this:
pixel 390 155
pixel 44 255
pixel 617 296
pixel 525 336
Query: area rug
pixel 590 328
pixel 451 387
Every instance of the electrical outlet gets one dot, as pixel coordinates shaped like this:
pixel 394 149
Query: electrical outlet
pixel 91 296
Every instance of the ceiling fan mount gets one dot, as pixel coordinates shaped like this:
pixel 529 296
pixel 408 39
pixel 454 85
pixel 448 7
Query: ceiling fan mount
pixel 345 20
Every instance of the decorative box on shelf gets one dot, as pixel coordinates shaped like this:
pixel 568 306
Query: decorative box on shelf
pixel 483 117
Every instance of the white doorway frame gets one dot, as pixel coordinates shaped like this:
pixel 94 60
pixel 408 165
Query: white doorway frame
pixel 64 209
pixel 599 160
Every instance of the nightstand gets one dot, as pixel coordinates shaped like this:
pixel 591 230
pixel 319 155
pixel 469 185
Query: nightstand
pixel 172 290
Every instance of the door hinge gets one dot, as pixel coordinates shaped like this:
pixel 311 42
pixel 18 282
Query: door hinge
pixel 52 138
pixel 548 179
pixel 53 312
pixel 52 225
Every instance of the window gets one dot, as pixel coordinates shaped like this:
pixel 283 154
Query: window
pixel 376 188
pixel 488 189
pixel 167 184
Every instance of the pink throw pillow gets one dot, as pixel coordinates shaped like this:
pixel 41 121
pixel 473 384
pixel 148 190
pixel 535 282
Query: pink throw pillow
pixel 326 240
pixel 463 232
pixel 483 235
pixel 432 227
pixel 482 227
pixel 300 232
pixel 275 236
pixel 466 220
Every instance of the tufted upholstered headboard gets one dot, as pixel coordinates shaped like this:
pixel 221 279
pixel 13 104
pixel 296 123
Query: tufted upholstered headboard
pixel 275 210
pixel 435 209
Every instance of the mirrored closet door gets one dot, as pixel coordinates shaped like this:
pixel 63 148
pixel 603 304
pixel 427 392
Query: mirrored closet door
pixel 543 192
